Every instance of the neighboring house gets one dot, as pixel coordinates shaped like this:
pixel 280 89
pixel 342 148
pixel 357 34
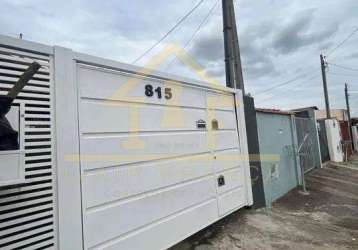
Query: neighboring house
pixel 339 114
pixel 289 146
pixel 278 152
pixel 342 116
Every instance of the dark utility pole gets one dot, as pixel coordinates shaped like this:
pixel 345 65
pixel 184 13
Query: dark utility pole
pixel 349 113
pixel 233 68
pixel 239 80
pixel 325 89
pixel 229 58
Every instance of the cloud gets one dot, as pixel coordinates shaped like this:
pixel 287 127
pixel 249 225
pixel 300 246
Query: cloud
pixel 353 55
pixel 209 48
pixel 299 33
pixel 325 46
pixel 279 39
pixel 256 60
pixel 255 54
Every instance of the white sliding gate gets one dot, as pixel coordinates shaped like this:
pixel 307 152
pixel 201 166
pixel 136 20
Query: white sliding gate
pixel 143 160
pixel 27 205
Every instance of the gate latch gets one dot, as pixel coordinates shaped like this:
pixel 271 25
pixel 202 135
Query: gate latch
pixel 221 180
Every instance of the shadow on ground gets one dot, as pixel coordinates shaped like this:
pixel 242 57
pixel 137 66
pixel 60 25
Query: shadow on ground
pixel 327 218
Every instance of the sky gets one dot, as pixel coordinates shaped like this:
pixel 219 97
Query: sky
pixel 280 40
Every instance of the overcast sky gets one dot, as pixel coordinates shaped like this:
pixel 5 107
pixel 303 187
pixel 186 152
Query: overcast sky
pixel 280 40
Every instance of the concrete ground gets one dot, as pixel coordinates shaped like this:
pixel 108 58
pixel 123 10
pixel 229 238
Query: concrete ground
pixel 326 219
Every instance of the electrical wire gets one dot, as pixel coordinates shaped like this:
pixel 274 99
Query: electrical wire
pixel 342 67
pixel 169 32
pixel 196 31
pixel 280 85
pixel 329 53
pixel 343 42
pixel 277 86
pixel 341 74
pixel 299 85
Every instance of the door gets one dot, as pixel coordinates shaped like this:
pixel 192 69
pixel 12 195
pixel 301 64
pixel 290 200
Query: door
pixel 307 142
pixel 277 152
pixel 156 157
pixel 229 163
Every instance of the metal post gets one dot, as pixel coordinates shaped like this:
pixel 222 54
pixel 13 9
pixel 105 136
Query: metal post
pixel 233 68
pixel 323 68
pixel 302 169
pixel 228 45
pixel 239 80
pixel 349 113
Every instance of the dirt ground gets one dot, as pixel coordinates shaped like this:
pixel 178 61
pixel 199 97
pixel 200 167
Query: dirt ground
pixel 327 218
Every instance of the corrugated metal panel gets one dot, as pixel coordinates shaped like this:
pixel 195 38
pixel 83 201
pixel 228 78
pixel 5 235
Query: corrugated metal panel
pixel 27 216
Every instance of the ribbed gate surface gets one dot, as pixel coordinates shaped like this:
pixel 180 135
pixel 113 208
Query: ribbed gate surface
pixel 27 218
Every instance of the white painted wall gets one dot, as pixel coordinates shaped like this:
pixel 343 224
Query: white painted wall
pixel 334 140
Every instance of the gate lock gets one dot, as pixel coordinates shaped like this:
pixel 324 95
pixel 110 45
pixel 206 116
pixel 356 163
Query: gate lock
pixel 221 180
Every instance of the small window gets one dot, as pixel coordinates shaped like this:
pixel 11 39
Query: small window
pixel 9 127
pixel 10 114
pixel 12 155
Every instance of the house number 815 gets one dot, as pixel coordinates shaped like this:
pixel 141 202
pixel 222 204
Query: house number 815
pixel 150 91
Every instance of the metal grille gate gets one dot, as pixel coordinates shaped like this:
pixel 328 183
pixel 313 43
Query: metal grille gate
pixel 27 216
pixel 306 132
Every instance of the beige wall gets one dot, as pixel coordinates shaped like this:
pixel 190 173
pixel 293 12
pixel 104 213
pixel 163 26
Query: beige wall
pixel 339 114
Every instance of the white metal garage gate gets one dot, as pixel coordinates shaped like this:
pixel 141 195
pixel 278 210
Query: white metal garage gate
pixel 142 161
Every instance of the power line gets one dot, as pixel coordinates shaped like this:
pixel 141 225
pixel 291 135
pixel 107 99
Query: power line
pixel 342 67
pixel 343 42
pixel 277 86
pixel 206 18
pixel 329 53
pixel 299 85
pixel 280 85
pixel 341 74
pixel 169 32
pixel 271 97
